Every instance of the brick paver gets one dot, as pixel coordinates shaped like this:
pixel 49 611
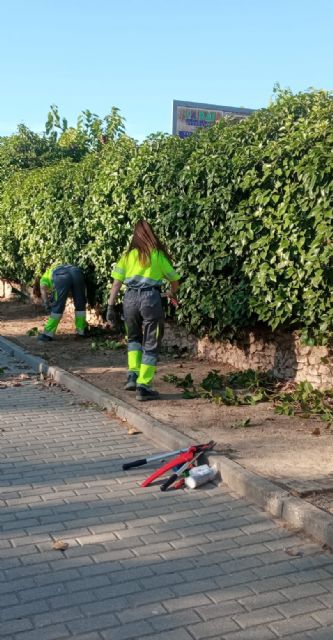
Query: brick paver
pixel 140 563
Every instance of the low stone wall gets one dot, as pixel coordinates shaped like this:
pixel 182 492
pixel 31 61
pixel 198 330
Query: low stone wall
pixel 280 352
pixel 5 289
pixel 10 290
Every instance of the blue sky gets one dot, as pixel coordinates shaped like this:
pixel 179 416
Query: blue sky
pixel 140 55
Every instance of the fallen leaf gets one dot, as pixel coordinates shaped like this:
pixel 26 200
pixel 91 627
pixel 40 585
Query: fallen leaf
pixel 316 432
pixel 292 551
pixel 32 332
pixel 132 431
pixel 60 545
pixel 242 424
pixel 49 383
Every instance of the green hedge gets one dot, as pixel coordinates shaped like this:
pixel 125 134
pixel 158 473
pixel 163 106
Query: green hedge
pixel 246 210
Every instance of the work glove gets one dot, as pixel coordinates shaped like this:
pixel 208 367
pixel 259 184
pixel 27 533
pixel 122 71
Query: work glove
pixel 172 298
pixel 111 314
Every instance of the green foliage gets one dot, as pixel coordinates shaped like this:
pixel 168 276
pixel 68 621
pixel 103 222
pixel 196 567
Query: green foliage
pixel 247 387
pixel 251 387
pixel 305 401
pixel 242 424
pixel 246 210
pixel 90 133
pixel 54 123
pixel 185 383
pixel 33 332
pixel 212 381
pixel 289 213
pixel 107 344
pixel 25 150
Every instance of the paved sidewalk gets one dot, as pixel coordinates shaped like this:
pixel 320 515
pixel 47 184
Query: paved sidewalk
pixel 140 563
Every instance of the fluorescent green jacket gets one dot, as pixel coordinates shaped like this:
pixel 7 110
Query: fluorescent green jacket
pixel 130 271
pixel 46 279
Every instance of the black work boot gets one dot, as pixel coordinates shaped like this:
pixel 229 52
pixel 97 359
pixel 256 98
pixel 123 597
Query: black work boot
pixel 131 381
pixel 145 393
pixel 85 334
pixel 42 337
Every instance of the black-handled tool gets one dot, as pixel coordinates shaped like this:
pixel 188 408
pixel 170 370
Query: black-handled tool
pixel 136 463
pixel 165 485
pixel 142 461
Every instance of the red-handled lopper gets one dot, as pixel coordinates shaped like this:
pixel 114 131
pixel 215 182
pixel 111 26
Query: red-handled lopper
pixel 178 474
pixel 187 457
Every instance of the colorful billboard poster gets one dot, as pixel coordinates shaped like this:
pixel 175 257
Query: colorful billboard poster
pixel 188 116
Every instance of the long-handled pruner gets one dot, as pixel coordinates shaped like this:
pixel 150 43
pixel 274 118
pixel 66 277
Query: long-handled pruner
pixel 179 473
pixel 185 458
pixel 142 461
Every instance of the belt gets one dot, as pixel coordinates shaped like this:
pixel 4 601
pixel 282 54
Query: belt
pixel 144 289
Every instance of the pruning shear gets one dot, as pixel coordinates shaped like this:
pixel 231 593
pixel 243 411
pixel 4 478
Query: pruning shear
pixel 185 460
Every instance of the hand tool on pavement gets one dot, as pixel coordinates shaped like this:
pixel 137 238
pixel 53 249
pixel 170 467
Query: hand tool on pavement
pixel 189 456
pixel 187 465
pixel 142 461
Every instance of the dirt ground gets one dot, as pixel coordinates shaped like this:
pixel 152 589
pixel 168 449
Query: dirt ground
pixel 280 448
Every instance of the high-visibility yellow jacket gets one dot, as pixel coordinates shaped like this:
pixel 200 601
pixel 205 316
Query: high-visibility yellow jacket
pixel 135 275
pixel 46 279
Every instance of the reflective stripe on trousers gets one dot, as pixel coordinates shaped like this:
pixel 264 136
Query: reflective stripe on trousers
pixel 80 322
pixel 52 324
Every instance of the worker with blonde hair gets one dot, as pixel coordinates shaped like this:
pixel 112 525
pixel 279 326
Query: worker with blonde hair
pixel 142 268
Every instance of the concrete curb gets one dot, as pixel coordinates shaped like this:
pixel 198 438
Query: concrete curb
pixel 267 495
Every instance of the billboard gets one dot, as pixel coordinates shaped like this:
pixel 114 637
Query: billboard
pixel 188 116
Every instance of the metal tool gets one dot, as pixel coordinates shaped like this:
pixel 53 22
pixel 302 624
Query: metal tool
pixel 187 456
pixel 187 465
pixel 161 456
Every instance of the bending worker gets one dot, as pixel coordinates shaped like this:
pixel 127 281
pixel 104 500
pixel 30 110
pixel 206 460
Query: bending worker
pixel 142 269
pixel 55 285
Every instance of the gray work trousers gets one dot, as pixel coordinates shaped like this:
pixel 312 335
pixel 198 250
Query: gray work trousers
pixel 144 319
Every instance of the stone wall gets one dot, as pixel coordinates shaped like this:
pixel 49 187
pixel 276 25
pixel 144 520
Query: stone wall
pixel 10 289
pixel 280 352
pixel 5 289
